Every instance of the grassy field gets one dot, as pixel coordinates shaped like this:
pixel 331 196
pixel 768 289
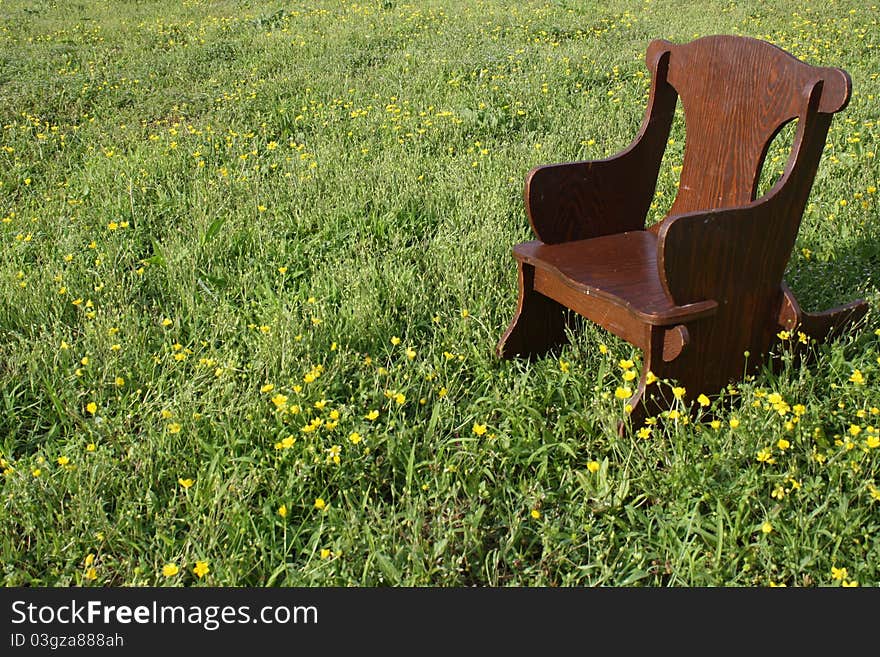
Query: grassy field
pixel 254 262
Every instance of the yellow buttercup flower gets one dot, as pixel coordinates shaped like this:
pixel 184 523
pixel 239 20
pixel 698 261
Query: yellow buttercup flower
pixel 858 378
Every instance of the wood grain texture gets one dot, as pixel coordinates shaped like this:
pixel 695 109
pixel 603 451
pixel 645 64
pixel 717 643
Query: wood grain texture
pixel 702 292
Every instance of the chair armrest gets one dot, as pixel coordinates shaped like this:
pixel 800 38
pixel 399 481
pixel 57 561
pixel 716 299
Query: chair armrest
pixel 729 253
pixel 579 200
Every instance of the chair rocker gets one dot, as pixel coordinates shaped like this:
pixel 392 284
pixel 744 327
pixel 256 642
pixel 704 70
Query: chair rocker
pixel 701 293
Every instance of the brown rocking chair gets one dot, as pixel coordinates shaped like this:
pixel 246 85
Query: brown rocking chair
pixel 701 293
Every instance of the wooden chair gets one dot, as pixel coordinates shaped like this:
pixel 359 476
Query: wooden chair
pixel 701 293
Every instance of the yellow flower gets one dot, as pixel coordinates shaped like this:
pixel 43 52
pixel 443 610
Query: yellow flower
pixel 734 423
pixel 783 335
pixel 174 427
pixel 282 510
pixel 847 584
pixel 355 437
pixel 535 514
pixel 92 407
pixel 372 415
pixel 279 400
pixel 766 527
pixel 838 573
pixel 603 349
pixel 119 381
pixel 765 456
pixel 63 460
pixel 170 569
pixel 479 429
pixel 593 467
pixel 186 483
pixel 715 424
pixel 857 378
pixel 167 322
pixel 674 414
pixel 644 432
pixel 783 444
pixel 399 398
pixel 855 429
pixel 678 392
pixel 395 340
pixel 622 393
pixel 563 365
pixel 629 375
pixel 873 442
pixel 320 504
pixel 92 573
pixel 325 553
pixel 703 400
pixel 267 388
pixel 625 364
pixel 410 353
pixel 650 378
pixel 201 569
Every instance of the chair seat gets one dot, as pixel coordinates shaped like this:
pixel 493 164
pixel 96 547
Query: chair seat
pixel 620 269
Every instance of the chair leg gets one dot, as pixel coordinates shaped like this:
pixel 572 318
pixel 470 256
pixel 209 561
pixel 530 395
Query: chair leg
pixel 538 325
pixel 644 403
pixel 819 326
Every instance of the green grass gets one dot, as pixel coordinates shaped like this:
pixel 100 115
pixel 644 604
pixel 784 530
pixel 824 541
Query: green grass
pixel 200 200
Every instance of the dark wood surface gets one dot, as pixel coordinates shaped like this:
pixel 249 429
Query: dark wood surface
pixel 701 292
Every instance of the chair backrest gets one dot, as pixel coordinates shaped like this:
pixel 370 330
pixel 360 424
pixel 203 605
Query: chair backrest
pixel 737 93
